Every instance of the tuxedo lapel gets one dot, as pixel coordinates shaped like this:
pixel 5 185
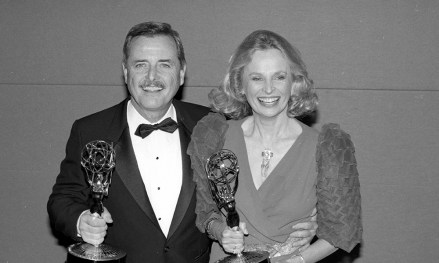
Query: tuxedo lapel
pixel 127 168
pixel 188 186
pixel 186 123
pixel 126 163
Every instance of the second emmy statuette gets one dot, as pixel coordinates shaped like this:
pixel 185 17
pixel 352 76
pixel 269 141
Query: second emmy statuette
pixel 222 171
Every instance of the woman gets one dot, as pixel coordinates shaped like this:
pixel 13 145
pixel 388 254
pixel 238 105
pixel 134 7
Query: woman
pixel 265 90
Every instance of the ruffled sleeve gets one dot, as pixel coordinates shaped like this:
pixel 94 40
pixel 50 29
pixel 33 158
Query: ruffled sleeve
pixel 207 137
pixel 338 189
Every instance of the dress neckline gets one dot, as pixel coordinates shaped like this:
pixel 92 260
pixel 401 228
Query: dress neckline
pixel 252 202
pixel 245 163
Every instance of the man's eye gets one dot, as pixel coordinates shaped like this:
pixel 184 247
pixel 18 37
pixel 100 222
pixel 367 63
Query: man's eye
pixel 140 65
pixel 165 65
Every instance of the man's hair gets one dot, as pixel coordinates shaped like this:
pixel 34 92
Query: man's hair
pixel 230 99
pixel 153 29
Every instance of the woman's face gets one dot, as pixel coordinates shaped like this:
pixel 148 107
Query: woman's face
pixel 267 83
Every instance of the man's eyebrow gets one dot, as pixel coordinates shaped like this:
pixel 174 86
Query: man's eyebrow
pixel 140 60
pixel 167 61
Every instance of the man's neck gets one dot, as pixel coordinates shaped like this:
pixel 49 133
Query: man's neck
pixel 153 116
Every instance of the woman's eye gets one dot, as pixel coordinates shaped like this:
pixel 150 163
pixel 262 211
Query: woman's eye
pixel 256 78
pixel 281 77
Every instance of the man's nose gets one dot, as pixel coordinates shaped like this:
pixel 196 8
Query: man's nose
pixel 152 73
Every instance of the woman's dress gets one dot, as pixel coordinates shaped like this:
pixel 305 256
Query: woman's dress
pixel 289 194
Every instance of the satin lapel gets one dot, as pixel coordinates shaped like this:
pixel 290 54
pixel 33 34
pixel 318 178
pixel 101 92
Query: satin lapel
pixel 126 167
pixel 188 186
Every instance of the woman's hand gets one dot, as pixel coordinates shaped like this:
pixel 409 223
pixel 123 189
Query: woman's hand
pixel 304 232
pixel 232 239
pixel 286 259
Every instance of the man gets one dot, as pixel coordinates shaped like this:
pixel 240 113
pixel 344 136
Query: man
pixel 150 211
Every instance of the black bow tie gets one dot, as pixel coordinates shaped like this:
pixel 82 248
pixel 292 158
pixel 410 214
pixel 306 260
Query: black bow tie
pixel 167 125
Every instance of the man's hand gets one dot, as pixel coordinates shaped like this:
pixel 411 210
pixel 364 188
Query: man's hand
pixel 304 232
pixel 93 227
pixel 232 239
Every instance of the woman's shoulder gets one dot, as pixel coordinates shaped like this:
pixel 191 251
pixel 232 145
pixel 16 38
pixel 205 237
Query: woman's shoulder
pixel 336 143
pixel 338 189
pixel 237 123
pixel 213 125
pixel 308 133
pixel 307 128
pixel 333 131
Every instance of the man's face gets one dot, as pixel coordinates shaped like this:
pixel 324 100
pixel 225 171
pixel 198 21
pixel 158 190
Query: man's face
pixel 153 75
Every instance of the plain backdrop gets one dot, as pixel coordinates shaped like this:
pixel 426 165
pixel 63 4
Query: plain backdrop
pixel 375 65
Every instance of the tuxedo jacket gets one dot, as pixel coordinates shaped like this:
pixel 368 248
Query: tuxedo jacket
pixel 135 228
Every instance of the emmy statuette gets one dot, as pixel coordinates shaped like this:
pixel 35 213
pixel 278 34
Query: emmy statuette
pixel 98 159
pixel 222 172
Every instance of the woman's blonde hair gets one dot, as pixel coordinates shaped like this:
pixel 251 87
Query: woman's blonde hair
pixel 229 97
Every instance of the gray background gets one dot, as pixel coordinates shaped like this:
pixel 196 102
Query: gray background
pixel 375 65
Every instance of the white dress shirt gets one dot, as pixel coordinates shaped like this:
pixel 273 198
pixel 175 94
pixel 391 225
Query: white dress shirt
pixel 159 160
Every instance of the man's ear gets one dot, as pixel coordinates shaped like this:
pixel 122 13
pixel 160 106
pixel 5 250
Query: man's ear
pixel 125 72
pixel 182 74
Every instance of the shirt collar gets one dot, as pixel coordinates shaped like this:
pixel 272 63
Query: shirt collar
pixel 135 119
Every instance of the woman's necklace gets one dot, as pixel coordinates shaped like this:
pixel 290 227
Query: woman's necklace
pixel 267 154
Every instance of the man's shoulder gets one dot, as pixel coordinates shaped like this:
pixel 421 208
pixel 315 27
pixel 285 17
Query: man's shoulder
pixel 190 113
pixel 193 110
pixel 189 105
pixel 103 116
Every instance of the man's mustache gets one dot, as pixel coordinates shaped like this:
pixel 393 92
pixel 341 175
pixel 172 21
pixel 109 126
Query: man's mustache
pixel 154 83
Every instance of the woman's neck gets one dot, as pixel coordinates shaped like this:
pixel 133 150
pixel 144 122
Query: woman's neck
pixel 271 130
pixel 267 141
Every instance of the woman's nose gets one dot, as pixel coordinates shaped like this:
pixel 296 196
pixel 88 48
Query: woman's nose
pixel 268 87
